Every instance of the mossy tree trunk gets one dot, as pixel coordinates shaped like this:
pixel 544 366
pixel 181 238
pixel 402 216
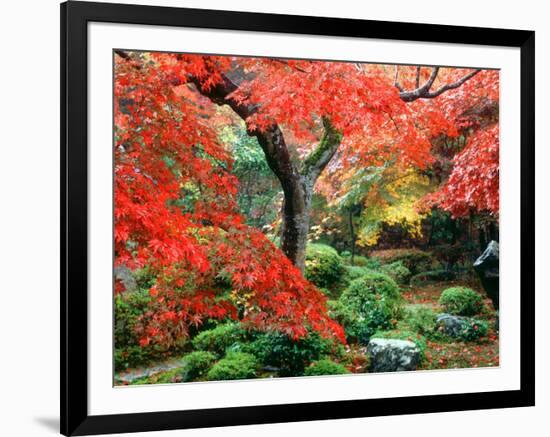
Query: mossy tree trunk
pixel 297 179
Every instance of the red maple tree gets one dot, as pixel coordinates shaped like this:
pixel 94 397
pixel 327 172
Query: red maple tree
pixel 334 112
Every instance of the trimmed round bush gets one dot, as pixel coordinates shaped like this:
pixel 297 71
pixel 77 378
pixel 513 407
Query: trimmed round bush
pixel 325 367
pixel 235 365
pixel 324 267
pixel 421 320
pixel 288 355
pixel 368 304
pixel 461 301
pixel 355 272
pixel 217 340
pixel 397 271
pixel 197 364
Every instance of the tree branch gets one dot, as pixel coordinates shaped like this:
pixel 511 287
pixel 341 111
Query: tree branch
pixel 424 91
pixel 396 79
pixel 271 139
pixel 453 85
pixel 318 158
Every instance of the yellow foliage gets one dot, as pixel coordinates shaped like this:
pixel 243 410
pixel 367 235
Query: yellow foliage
pixel 393 201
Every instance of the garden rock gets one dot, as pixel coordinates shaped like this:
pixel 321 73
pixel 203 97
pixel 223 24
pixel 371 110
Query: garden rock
pixel 486 266
pixel 125 275
pixel 451 325
pixel 390 355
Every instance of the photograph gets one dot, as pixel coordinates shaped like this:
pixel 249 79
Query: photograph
pixel 278 217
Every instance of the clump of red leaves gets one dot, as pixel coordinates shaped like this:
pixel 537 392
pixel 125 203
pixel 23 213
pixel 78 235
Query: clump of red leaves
pixel 166 148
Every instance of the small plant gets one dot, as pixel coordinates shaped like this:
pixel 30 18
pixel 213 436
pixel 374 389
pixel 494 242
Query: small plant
pixel 474 330
pixel 325 367
pixel 369 303
pixel 288 355
pixel 217 340
pixel 324 267
pixel 461 301
pixel 397 271
pixel 235 365
pixel 421 320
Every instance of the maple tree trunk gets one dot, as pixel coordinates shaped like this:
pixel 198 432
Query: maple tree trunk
pixel 297 180
pixel 295 221
pixel 297 200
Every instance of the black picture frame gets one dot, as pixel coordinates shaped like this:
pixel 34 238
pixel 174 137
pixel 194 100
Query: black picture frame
pixel 75 16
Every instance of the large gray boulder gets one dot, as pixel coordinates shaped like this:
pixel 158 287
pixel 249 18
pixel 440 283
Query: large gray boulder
pixel 486 267
pixel 451 325
pixel 389 355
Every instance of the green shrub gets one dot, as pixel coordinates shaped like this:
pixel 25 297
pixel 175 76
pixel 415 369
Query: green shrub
pixel 373 264
pixel 421 320
pixel 431 277
pixel 369 303
pixel 197 364
pixel 220 338
pixel 288 355
pixel 325 367
pixel 129 306
pixel 461 301
pixel 324 267
pixel 474 330
pixel 397 271
pixel 354 272
pixel 415 260
pixel 416 338
pixel 235 365
pixel 358 260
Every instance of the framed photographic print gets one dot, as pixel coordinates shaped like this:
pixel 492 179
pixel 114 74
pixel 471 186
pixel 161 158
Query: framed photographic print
pixel 272 218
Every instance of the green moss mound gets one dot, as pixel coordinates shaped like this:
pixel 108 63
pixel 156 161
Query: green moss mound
pixel 324 267
pixel 461 301
pixel 235 365
pixel 370 302
pixel 325 367
pixel 397 271
pixel 290 356
pixel 220 338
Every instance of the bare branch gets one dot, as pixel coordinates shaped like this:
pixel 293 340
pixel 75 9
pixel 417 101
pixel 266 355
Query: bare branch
pixel 396 79
pixel 424 91
pixel 452 86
